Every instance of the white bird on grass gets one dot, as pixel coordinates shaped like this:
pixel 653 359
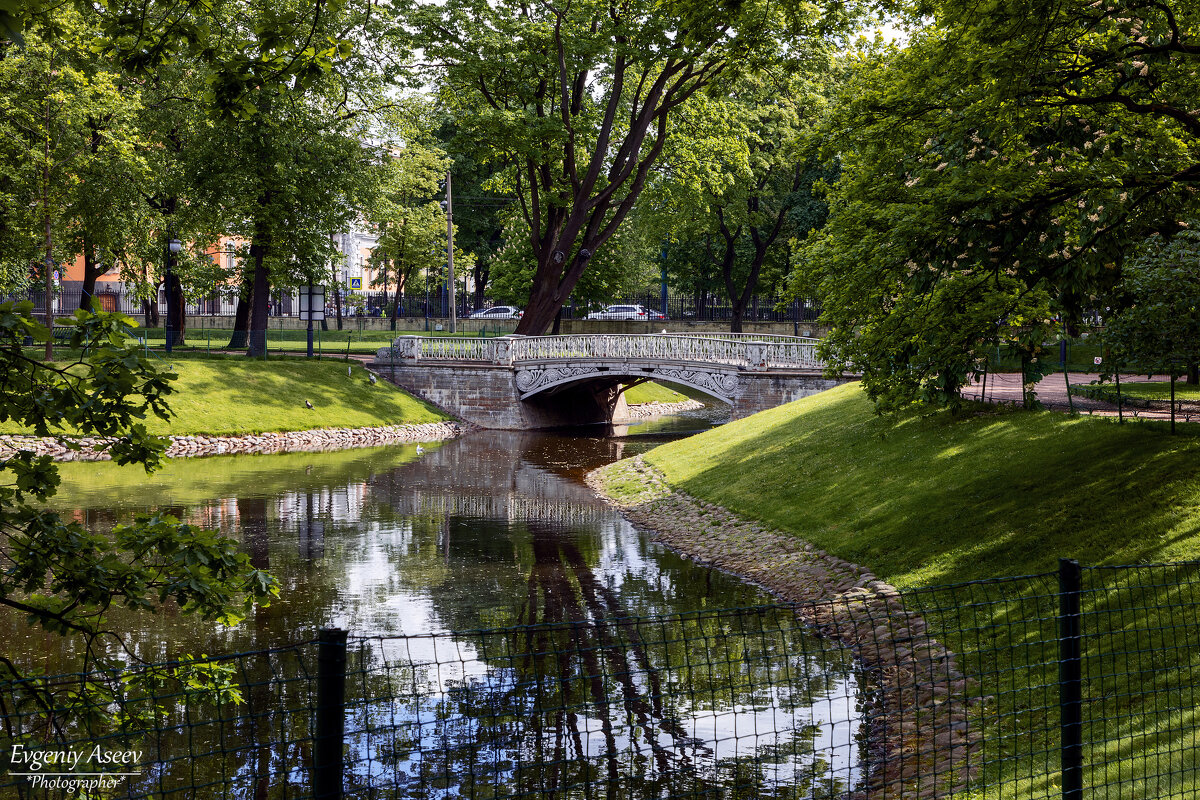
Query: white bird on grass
pixel 308 403
pixel 371 378
pixel 420 449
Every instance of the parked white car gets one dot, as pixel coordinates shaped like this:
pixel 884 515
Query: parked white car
pixel 498 312
pixel 626 312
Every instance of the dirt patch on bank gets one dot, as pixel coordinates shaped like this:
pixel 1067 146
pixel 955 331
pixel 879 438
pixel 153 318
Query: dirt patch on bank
pixel 924 737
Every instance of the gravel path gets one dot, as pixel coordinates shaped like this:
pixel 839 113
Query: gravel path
pixel 1005 387
pixel 922 730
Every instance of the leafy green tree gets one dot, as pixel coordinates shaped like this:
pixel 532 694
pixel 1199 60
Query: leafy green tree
pixel 1158 324
pixel 63 577
pixel 294 169
pixel 410 222
pixel 1007 149
pixel 481 202
pixel 576 99
pixel 70 147
pixel 623 263
pixel 739 187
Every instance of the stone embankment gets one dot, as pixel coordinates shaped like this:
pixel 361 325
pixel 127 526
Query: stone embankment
pixel 656 409
pixel 923 737
pixel 320 439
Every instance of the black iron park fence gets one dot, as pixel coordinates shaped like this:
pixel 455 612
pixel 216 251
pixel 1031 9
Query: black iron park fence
pixel 1075 684
pixel 698 307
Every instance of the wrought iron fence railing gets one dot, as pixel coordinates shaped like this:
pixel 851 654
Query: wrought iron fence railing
pixel 434 304
pixel 1075 684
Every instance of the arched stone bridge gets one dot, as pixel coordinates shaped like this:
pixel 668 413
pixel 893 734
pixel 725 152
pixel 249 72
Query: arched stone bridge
pixel 518 382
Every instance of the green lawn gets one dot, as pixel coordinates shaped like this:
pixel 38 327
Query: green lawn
pixel 932 499
pixel 239 396
pixel 651 392
pixel 925 499
pixel 328 344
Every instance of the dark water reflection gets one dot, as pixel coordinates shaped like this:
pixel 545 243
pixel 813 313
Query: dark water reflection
pixel 495 531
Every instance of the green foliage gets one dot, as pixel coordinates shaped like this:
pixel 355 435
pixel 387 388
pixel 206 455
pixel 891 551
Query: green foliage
pixel 738 187
pixel 923 499
pixel 1158 324
pixel 575 100
pixel 961 171
pixel 62 576
pixel 627 260
pixel 72 152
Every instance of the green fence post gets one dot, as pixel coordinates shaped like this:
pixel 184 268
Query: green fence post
pixel 1070 677
pixel 329 736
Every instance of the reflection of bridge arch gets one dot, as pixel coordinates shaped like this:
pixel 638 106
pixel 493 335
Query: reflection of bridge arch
pixel 511 506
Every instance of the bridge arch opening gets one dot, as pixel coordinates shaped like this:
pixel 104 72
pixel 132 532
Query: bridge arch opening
pixel 596 397
pixel 717 386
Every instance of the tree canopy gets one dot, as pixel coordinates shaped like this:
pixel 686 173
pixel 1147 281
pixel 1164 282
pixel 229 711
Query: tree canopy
pixel 737 183
pixel 1006 149
pixel 576 99
pixel 1157 322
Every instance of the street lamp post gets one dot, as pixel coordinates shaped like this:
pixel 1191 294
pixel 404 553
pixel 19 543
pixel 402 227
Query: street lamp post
pixel 173 247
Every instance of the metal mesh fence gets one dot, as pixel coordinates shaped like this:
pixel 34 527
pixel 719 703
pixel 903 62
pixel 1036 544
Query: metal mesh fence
pixel 1071 684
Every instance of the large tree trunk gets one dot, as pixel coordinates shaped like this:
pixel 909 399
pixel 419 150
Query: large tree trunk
pixel 240 337
pixel 91 272
pixel 260 301
pixel 401 281
pixel 735 319
pixel 337 296
pixel 482 273
pixel 150 310
pixel 175 302
pixel 544 302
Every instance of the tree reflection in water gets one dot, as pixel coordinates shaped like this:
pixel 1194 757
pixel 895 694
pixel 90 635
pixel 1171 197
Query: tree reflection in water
pixel 581 700
pixel 591 683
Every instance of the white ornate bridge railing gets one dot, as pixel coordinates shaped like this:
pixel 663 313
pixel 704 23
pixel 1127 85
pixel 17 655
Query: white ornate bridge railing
pixel 738 350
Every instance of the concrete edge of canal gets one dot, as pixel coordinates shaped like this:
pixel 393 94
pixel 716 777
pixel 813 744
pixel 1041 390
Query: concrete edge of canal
pixel 924 736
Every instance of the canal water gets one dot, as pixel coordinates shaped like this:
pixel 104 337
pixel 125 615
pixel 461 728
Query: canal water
pixel 413 548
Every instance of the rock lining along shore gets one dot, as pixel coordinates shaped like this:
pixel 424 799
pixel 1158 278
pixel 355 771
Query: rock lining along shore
pixel 657 409
pixel 923 740
pixel 316 440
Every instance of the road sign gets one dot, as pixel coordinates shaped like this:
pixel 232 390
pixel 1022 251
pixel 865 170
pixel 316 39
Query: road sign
pixel 312 303
pixel 356 283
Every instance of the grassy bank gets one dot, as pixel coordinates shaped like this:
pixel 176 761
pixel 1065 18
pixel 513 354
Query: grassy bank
pixel 651 392
pixel 939 499
pixel 933 499
pixel 232 396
